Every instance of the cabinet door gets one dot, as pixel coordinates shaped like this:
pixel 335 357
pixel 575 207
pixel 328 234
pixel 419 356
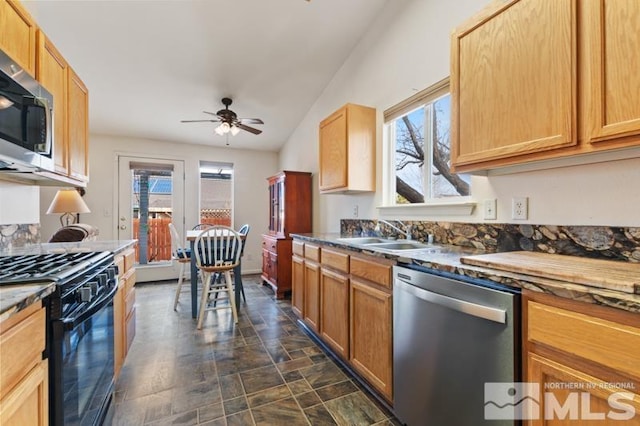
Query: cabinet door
pixel 28 402
pixel 563 386
pixel 18 35
pixel 78 127
pixel 312 295
pixel 334 151
pixel 334 310
pixel 371 352
pixel 513 81
pixel 297 285
pixel 118 330
pixel 52 73
pixel 613 29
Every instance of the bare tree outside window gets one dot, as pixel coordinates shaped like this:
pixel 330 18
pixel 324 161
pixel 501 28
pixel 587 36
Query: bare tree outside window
pixel 414 155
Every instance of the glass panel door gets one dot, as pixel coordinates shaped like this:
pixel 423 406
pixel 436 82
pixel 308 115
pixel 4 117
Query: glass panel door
pixel 151 195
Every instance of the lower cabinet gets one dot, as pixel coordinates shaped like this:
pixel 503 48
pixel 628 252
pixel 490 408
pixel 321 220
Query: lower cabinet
pixel 584 358
pixel 334 301
pixel 276 264
pixel 124 309
pixel 24 390
pixel 346 300
pixel 297 285
pixel 312 295
pixel 370 325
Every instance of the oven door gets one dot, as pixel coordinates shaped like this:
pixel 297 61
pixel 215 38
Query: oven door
pixel 83 373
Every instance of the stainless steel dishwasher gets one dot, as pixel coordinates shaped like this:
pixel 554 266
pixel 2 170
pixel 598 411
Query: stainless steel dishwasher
pixel 450 338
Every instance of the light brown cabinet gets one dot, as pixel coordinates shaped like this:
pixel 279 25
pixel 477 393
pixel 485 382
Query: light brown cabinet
pixel 334 300
pixel 24 391
pixel 348 150
pixel 297 278
pixel 18 35
pixel 52 73
pixel 563 84
pixel 576 347
pixel 70 105
pixel 289 212
pixel 311 287
pixel 370 322
pixel 124 310
pixel 347 300
pixel 78 127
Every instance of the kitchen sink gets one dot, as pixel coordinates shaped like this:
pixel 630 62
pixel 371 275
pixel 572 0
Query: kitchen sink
pixel 363 240
pixel 404 245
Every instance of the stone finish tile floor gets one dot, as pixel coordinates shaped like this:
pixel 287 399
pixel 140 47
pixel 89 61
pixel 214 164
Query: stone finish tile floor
pixel 262 371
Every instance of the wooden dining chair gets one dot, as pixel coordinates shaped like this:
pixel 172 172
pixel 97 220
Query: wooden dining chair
pixel 182 255
pixel 217 251
pixel 201 227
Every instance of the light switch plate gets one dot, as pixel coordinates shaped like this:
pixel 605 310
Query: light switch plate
pixel 490 210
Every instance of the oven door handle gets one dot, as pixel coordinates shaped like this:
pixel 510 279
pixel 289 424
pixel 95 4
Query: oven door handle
pixel 71 323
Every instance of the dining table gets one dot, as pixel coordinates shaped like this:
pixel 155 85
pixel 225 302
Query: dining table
pixel 191 237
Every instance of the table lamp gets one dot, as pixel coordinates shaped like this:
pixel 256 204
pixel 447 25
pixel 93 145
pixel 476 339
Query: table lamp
pixel 68 202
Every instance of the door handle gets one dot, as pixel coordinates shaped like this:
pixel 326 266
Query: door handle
pixel 469 308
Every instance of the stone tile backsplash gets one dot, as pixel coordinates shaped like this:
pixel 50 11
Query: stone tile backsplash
pixel 19 235
pixel 605 242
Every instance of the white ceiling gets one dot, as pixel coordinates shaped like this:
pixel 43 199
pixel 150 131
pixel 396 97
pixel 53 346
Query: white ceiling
pixel 150 64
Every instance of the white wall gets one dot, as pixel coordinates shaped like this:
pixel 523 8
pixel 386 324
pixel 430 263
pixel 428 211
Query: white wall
pixel 19 204
pixel 250 186
pixel 407 50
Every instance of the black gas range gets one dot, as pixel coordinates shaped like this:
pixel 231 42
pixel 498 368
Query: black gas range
pixel 80 341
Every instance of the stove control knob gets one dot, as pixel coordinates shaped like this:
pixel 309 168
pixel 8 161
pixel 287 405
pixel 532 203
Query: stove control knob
pixel 84 294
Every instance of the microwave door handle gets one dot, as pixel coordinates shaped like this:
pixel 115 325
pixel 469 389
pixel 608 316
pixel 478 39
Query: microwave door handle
pixel 49 118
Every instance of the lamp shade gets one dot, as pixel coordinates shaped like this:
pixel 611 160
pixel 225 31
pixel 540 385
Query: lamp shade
pixel 68 201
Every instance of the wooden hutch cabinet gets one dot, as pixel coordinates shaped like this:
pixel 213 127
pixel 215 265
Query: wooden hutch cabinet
pixel 289 212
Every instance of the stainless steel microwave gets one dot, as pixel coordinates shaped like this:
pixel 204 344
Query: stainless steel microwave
pixel 26 121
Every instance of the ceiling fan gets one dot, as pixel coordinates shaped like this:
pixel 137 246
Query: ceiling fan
pixel 229 121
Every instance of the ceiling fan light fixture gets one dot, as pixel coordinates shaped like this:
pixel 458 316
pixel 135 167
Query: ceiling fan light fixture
pixel 235 130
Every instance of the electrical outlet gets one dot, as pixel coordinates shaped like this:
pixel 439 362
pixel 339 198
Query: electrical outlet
pixel 490 212
pixel 355 211
pixel 519 208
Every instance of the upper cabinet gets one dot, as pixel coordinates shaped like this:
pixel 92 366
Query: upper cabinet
pixel 538 79
pixel 78 126
pixel 289 203
pixel 18 35
pixel 348 150
pixel 52 73
pixel 613 81
pixel 71 105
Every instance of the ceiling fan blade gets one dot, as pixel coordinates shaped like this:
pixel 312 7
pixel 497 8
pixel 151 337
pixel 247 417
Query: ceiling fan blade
pixel 211 113
pixel 248 129
pixel 199 121
pixel 250 120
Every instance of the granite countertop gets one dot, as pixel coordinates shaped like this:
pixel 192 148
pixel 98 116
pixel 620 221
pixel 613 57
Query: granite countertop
pixel 446 258
pixel 114 246
pixel 14 298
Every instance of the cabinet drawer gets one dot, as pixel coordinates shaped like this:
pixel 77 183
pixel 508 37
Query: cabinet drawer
pixel 372 271
pixel 21 349
pixel 335 260
pixel 119 261
pixel 312 252
pixel 270 244
pixel 298 248
pixel 129 259
pixel 606 342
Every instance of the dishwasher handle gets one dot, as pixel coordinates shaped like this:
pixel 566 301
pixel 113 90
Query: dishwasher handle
pixel 469 308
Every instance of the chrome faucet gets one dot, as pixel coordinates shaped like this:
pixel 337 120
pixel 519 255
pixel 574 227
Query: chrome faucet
pixel 406 231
